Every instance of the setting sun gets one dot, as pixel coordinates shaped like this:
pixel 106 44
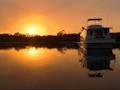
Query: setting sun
pixel 32 25
pixel 35 29
pixel 32 30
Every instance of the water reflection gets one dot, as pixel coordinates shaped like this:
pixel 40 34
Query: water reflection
pixel 98 60
pixel 62 47
pixel 58 67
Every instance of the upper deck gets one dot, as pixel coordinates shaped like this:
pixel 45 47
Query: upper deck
pixel 96 23
pixel 95 19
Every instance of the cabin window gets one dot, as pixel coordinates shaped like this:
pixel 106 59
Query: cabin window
pixel 91 33
pixel 106 32
pixel 98 33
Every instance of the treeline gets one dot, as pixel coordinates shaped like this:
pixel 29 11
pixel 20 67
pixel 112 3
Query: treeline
pixel 17 37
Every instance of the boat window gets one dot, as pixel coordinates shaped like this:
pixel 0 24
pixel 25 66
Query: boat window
pixel 98 33
pixel 91 32
pixel 106 31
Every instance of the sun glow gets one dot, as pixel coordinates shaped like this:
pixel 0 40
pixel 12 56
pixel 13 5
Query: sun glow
pixel 32 30
pixel 32 25
pixel 35 29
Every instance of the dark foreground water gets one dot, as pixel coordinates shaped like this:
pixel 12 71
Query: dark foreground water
pixel 59 68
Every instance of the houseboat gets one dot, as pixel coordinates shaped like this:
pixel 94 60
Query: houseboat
pixel 97 35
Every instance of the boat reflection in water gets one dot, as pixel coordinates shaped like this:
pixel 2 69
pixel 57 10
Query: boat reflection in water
pixel 98 60
pixel 94 59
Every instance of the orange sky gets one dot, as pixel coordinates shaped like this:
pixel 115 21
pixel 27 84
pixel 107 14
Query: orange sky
pixel 55 15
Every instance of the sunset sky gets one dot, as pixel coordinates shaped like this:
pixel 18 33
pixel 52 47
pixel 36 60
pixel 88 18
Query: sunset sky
pixel 50 16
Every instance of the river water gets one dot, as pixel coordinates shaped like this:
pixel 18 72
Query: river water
pixel 59 68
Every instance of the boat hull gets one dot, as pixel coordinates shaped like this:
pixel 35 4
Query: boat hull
pixel 100 43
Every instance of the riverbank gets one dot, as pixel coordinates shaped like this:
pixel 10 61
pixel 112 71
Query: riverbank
pixel 36 39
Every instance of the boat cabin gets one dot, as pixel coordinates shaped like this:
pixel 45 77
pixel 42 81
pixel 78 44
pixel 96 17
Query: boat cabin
pixel 96 30
pixel 96 33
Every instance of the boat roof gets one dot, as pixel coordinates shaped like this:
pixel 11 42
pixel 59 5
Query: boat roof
pixel 95 19
pixel 95 26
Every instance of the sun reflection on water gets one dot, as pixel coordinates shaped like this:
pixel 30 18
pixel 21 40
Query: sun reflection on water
pixel 36 57
pixel 32 52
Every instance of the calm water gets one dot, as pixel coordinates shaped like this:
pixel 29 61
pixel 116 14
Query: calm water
pixel 43 68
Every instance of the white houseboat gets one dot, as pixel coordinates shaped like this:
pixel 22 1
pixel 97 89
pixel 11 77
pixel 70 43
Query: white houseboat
pixel 97 35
